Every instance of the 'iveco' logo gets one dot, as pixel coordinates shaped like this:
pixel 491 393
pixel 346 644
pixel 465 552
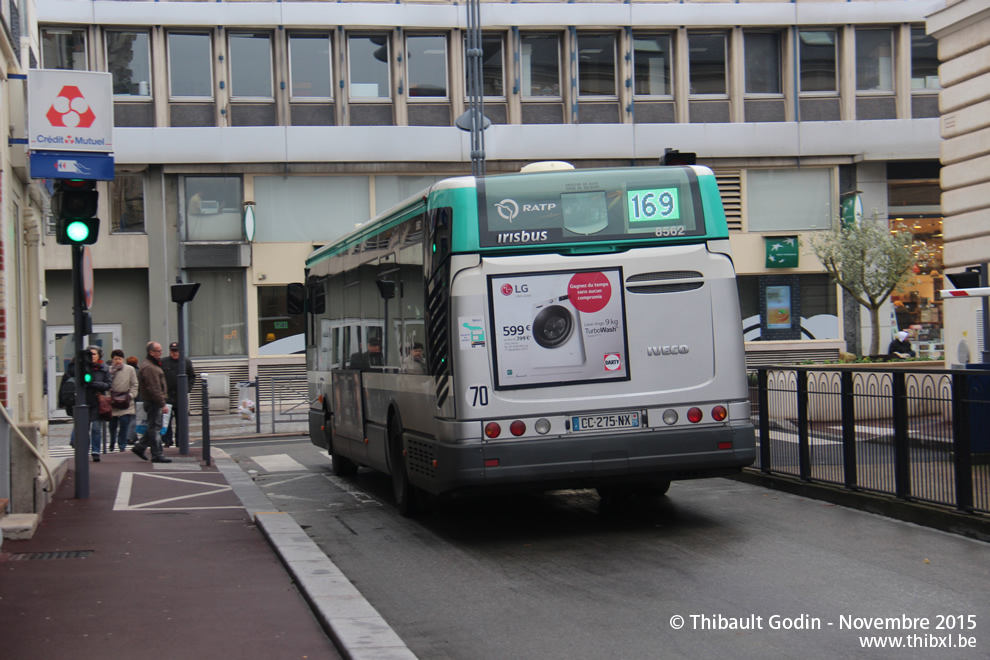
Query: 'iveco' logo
pixel 667 350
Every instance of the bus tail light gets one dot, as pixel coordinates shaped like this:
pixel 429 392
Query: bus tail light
pixel 694 415
pixel 517 427
pixel 719 413
pixel 725 445
pixel 492 430
pixel 491 462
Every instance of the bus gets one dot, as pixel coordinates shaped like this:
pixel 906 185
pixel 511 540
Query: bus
pixel 549 329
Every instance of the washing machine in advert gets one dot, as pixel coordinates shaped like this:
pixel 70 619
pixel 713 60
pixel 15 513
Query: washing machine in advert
pixel 558 338
pixel 566 326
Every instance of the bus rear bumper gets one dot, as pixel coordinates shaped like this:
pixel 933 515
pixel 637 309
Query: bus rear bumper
pixel 586 461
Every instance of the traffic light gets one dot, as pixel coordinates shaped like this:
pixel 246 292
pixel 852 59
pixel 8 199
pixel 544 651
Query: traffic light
pixel 74 205
pixel 675 157
pixel 85 362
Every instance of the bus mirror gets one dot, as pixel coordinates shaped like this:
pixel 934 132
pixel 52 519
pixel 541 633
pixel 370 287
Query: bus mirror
pixel 386 289
pixel 295 298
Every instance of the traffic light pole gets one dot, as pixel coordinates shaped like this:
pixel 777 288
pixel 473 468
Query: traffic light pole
pixel 80 412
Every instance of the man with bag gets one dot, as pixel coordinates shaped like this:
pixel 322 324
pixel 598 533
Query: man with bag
pixel 151 385
pixel 172 368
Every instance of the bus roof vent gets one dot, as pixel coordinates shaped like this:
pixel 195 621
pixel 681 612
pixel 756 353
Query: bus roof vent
pixel 546 166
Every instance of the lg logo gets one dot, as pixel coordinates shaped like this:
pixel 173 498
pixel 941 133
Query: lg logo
pixel 507 289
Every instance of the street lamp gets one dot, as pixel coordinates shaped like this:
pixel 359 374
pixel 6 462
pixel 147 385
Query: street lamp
pixel 181 294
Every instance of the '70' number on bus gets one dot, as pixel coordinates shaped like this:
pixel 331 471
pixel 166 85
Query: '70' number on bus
pixel 478 395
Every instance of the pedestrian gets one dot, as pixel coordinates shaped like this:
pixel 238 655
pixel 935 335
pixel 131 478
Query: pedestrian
pixel 171 367
pixel 123 390
pixel 99 385
pixel 414 363
pixel 901 346
pixel 138 407
pixel 151 385
pixel 370 358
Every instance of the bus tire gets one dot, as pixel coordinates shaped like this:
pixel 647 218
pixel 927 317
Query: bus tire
pixel 406 495
pixel 655 489
pixel 341 466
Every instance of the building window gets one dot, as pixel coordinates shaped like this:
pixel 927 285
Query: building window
pixel 190 65
pixel 129 62
pixel 596 64
pixel 813 298
pixel 762 62
pixel 874 66
pixel 492 65
pixel 279 333
pixel 310 73
pixel 924 60
pixel 426 65
pixel 213 208
pixel 368 58
pixel 63 48
pixel 816 55
pixel 250 65
pixel 127 204
pixel 652 56
pixel 540 65
pixel 789 199
pixel 306 199
pixel 706 54
pixel 217 313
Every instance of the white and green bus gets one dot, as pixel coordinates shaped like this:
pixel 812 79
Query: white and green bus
pixel 557 328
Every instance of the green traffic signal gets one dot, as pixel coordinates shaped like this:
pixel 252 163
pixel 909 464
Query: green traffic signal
pixel 77 231
pixel 74 203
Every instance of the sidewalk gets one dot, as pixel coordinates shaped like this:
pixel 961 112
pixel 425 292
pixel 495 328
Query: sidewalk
pixel 176 561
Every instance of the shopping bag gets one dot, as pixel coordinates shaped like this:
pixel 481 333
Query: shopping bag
pixel 140 422
pixel 165 419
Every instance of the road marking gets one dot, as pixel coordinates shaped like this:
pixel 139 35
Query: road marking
pixel 126 485
pixel 279 463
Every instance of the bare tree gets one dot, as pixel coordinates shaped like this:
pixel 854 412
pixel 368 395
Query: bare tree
pixel 869 260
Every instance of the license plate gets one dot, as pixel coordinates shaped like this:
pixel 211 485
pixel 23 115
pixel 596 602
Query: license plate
pixel 628 420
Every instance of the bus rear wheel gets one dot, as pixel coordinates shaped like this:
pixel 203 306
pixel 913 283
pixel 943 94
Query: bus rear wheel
pixel 342 467
pixel 406 495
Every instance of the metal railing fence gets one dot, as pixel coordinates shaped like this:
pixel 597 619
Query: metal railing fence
pixel 914 433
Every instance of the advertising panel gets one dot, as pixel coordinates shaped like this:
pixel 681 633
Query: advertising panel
pixel 559 327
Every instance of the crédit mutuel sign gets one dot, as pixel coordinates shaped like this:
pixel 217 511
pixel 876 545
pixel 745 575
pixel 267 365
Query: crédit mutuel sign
pixel 70 124
pixel 70 110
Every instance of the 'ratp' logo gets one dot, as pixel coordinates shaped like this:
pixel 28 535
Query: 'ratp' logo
pixel 70 109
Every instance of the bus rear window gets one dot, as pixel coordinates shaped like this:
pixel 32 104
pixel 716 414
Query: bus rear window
pixel 589 206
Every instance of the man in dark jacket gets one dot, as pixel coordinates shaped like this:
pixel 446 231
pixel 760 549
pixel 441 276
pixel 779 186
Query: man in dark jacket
pixel 170 365
pixel 153 391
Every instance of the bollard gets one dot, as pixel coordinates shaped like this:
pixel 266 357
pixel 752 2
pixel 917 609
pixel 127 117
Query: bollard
pixel 206 418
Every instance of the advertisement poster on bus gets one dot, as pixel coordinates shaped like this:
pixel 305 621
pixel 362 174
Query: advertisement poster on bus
pixel 559 327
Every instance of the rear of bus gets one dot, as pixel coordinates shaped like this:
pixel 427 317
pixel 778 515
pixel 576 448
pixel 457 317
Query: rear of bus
pixel 591 336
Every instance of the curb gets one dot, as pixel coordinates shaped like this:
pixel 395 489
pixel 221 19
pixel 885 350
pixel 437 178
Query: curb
pixel 356 628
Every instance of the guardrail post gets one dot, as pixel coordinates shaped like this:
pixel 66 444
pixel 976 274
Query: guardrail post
pixel 961 443
pixel 206 418
pixel 902 449
pixel 848 430
pixel 764 398
pixel 804 443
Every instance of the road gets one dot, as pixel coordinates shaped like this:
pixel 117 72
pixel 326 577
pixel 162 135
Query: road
pixel 746 572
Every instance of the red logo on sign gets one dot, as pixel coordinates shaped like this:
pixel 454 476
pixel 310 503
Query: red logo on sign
pixel 70 109
pixel 506 289
pixel 613 362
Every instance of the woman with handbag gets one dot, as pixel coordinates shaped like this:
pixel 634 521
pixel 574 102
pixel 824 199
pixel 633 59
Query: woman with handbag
pixel 123 390
pixel 96 390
